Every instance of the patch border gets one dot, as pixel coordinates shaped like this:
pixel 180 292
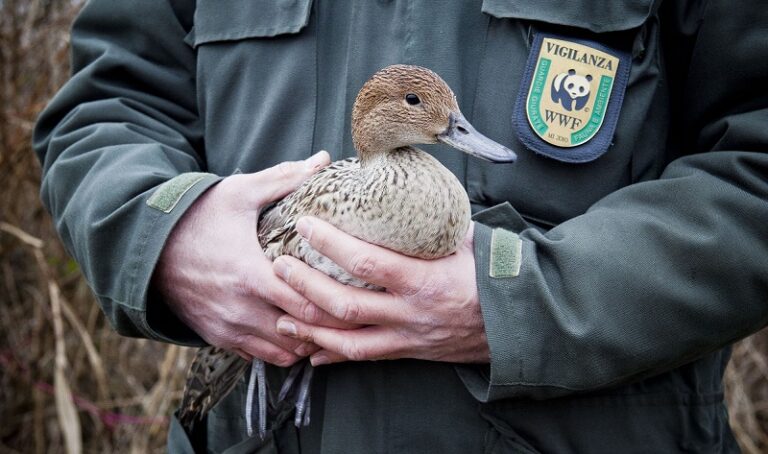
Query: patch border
pixel 600 142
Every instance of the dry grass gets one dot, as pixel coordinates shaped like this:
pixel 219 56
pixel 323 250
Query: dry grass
pixel 67 381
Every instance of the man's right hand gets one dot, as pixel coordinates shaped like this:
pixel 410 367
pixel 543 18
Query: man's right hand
pixel 215 277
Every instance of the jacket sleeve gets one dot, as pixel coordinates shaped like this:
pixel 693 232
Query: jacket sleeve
pixel 658 273
pixel 122 155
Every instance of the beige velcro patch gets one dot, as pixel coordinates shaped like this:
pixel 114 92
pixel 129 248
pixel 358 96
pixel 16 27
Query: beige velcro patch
pixel 506 254
pixel 167 195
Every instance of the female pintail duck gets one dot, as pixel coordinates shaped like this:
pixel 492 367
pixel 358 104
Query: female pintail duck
pixel 393 195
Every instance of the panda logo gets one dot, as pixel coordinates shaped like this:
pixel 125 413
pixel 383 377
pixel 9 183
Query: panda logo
pixel 569 87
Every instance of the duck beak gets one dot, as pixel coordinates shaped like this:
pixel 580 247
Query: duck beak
pixel 463 136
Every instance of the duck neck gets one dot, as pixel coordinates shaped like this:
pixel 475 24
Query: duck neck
pixel 381 159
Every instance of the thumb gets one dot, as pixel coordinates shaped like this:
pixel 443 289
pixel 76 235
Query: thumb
pixel 278 181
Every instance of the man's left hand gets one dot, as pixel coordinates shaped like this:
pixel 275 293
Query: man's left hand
pixel 430 309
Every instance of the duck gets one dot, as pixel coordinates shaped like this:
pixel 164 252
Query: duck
pixel 391 194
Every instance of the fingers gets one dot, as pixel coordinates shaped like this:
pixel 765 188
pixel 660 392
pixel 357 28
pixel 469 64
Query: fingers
pixel 371 263
pixel 267 286
pixel 278 181
pixel 289 300
pixel 369 343
pixel 323 357
pixel 252 334
pixel 256 347
pixel 346 303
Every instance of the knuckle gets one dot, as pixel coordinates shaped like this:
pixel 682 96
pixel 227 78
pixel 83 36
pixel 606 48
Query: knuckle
pixel 217 339
pixel 309 312
pixel 424 323
pixel 304 349
pixel 229 317
pixel 319 241
pixel 352 312
pixel 298 282
pixel 240 342
pixel 362 266
pixel 353 351
pixel 293 345
pixel 285 169
pixel 430 290
pixel 442 336
pixel 282 359
pixel 347 310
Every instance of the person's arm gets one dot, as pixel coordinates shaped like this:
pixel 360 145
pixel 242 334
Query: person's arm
pixel 124 124
pixel 660 272
pixel 124 177
pixel 651 277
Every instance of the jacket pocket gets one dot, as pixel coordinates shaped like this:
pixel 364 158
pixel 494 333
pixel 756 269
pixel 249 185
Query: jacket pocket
pixel 231 20
pixel 548 190
pixel 256 81
pixel 597 16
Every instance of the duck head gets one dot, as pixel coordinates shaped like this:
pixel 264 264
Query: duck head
pixel 403 105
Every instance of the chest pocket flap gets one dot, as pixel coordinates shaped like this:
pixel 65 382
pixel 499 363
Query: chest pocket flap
pixel 229 20
pixel 595 15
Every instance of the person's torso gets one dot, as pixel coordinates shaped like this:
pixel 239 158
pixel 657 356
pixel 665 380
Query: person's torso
pixel 276 81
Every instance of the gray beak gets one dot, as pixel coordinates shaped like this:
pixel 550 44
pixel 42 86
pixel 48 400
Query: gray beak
pixel 463 136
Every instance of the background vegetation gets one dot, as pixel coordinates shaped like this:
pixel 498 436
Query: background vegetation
pixel 67 381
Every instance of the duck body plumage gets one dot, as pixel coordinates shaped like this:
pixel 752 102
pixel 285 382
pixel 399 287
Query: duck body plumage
pixel 405 201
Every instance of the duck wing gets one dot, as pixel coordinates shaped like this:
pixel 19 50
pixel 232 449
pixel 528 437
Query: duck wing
pixel 213 374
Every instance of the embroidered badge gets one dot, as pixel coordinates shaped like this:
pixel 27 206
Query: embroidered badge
pixel 570 97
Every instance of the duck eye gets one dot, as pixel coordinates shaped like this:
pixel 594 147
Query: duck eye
pixel 412 99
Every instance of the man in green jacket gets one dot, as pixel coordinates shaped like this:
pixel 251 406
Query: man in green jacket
pixel 609 268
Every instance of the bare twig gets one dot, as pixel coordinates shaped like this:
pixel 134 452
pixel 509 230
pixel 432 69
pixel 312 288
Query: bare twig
pixel 97 365
pixel 25 237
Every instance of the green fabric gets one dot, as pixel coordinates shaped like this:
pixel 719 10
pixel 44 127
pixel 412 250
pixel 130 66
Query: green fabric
pixel 595 15
pixel 167 195
pixel 636 269
pixel 505 254
pixel 254 18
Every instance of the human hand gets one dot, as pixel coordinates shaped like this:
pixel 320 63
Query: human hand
pixel 215 277
pixel 430 309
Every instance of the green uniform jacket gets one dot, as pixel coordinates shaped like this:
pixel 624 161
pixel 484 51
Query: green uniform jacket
pixel 637 268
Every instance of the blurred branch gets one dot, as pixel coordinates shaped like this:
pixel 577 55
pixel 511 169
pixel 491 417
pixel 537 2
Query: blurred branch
pixel 25 237
pixel 69 420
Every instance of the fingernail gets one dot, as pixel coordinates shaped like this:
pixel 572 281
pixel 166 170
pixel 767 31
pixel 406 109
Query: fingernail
pixel 317 160
pixel 319 360
pixel 286 328
pixel 304 227
pixel 281 268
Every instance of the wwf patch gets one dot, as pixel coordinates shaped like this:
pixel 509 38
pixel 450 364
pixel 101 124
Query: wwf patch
pixel 570 97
